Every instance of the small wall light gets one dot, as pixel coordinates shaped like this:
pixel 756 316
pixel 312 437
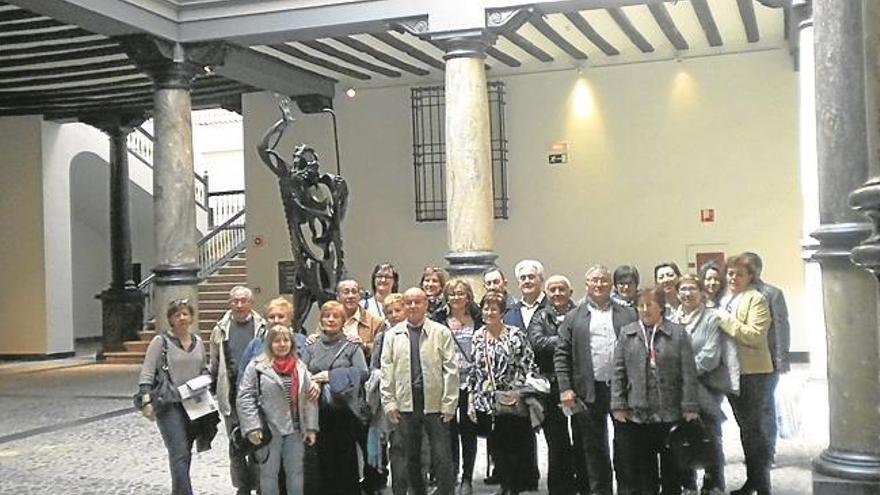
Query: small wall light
pixel 350 92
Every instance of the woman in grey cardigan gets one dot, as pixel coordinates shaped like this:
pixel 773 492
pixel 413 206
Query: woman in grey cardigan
pixel 186 360
pixel 702 324
pixel 277 383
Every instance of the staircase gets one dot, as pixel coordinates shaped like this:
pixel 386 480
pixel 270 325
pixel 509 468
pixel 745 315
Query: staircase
pixel 213 303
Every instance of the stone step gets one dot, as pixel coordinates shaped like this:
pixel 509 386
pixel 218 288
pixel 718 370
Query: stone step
pixel 233 270
pixel 213 296
pixel 212 315
pixel 147 336
pixel 136 345
pixel 124 357
pixel 224 287
pixel 212 305
pixel 241 261
pixel 236 279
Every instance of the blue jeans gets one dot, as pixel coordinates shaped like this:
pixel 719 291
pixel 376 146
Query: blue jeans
pixel 176 432
pixel 287 451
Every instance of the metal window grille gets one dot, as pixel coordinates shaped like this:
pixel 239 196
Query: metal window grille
pixel 429 151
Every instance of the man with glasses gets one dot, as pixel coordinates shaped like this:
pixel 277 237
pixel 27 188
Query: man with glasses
pixel 584 363
pixel 229 338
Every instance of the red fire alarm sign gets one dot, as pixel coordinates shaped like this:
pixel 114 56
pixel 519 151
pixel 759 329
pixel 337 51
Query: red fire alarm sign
pixel 707 215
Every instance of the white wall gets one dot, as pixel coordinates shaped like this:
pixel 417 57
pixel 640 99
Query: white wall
pixel 651 145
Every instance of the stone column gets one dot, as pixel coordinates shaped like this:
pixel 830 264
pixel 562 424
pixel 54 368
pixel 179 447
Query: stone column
pixel 851 463
pixel 172 66
pixel 470 215
pixel 122 304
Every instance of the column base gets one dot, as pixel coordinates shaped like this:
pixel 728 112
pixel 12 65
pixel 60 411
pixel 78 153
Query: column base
pixel 177 274
pixel 837 472
pixel 470 262
pixel 122 317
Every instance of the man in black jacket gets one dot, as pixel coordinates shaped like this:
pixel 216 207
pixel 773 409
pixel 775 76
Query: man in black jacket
pixel 544 337
pixel 583 362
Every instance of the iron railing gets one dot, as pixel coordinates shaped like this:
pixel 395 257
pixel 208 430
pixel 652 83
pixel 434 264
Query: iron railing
pixel 222 205
pixel 140 144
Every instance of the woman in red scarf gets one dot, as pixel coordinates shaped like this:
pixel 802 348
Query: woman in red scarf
pixel 274 390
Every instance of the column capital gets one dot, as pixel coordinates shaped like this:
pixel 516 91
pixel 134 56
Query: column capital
pixel 171 65
pixel 115 124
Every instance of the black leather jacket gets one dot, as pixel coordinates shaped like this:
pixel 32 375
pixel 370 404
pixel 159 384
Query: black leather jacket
pixel 543 336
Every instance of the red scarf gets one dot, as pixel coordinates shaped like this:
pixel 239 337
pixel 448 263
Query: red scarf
pixel 287 366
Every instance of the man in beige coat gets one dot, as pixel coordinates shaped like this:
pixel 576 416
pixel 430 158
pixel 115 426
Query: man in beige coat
pixel 420 389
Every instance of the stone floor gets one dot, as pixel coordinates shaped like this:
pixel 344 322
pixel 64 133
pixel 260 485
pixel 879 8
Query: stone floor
pixel 67 427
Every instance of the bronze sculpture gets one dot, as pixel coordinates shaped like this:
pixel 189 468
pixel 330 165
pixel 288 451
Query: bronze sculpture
pixel 314 204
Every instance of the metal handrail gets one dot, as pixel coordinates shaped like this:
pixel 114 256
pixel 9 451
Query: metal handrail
pixel 140 144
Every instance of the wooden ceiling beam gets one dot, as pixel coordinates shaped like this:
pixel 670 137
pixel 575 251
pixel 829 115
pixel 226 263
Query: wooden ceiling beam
pixel 140 88
pixel 56 48
pixel 360 46
pixel 548 32
pixel 16 27
pixel 301 55
pixel 17 15
pixel 410 50
pixel 65 79
pixel 349 58
pixel 707 22
pixel 504 58
pixel 750 22
pixel 591 34
pixel 60 34
pixel 143 80
pixel 528 47
pixel 667 25
pixel 6 75
pixel 625 25
pixel 61 57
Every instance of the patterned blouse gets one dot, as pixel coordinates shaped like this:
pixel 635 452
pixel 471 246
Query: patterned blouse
pixel 500 364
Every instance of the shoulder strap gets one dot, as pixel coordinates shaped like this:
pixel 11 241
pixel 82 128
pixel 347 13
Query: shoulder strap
pixel 165 367
pixel 338 353
pixel 467 356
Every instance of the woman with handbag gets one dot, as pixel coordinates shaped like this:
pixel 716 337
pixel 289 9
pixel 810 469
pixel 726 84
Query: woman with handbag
pixel 274 395
pixel 503 359
pixel 173 359
pixel 462 316
pixel 332 356
pixel 713 378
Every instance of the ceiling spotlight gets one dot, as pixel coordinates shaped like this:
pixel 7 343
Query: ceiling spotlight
pixel 350 92
pixel 208 69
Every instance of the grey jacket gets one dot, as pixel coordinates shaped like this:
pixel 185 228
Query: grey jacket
pixel 573 358
pixel 273 399
pixel 217 366
pixel 676 372
pixel 779 335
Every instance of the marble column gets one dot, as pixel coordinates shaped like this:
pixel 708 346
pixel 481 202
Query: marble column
pixel 851 463
pixel 172 67
pixel 470 215
pixel 122 304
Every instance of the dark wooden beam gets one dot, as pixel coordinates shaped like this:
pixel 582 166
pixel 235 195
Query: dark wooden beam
pixel 360 46
pixel 320 62
pixel 15 27
pixel 587 30
pixel 707 22
pixel 528 47
pixel 14 98
pixel 56 48
pixel 106 86
pixel 630 30
pixel 502 57
pixel 60 34
pixel 410 50
pixel 60 57
pixel 347 57
pixel 750 23
pixel 667 25
pixel 16 15
pixel 66 79
pixel 6 75
pixel 548 32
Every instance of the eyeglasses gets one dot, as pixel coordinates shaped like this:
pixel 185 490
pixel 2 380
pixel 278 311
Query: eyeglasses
pixel 179 302
pixel 384 276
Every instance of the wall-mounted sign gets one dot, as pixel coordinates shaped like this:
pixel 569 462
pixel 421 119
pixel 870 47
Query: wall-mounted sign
pixel 707 215
pixel 286 277
pixel 557 153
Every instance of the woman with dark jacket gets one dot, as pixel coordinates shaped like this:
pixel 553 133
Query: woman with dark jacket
pixel 462 316
pixel 653 388
pixel 713 378
pixel 186 358
pixel 745 316
pixel 340 368
pixel 544 336
pixel 277 384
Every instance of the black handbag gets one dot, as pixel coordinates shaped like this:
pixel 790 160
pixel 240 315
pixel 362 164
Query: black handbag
pixel 690 445
pixel 163 392
pixel 240 441
pixel 510 402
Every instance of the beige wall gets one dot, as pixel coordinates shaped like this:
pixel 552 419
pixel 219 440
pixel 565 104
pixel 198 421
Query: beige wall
pixel 22 289
pixel 651 144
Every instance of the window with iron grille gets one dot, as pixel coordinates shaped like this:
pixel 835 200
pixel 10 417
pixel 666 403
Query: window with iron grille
pixel 429 151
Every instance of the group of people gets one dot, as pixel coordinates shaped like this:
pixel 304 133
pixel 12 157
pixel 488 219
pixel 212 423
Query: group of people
pixel 411 380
